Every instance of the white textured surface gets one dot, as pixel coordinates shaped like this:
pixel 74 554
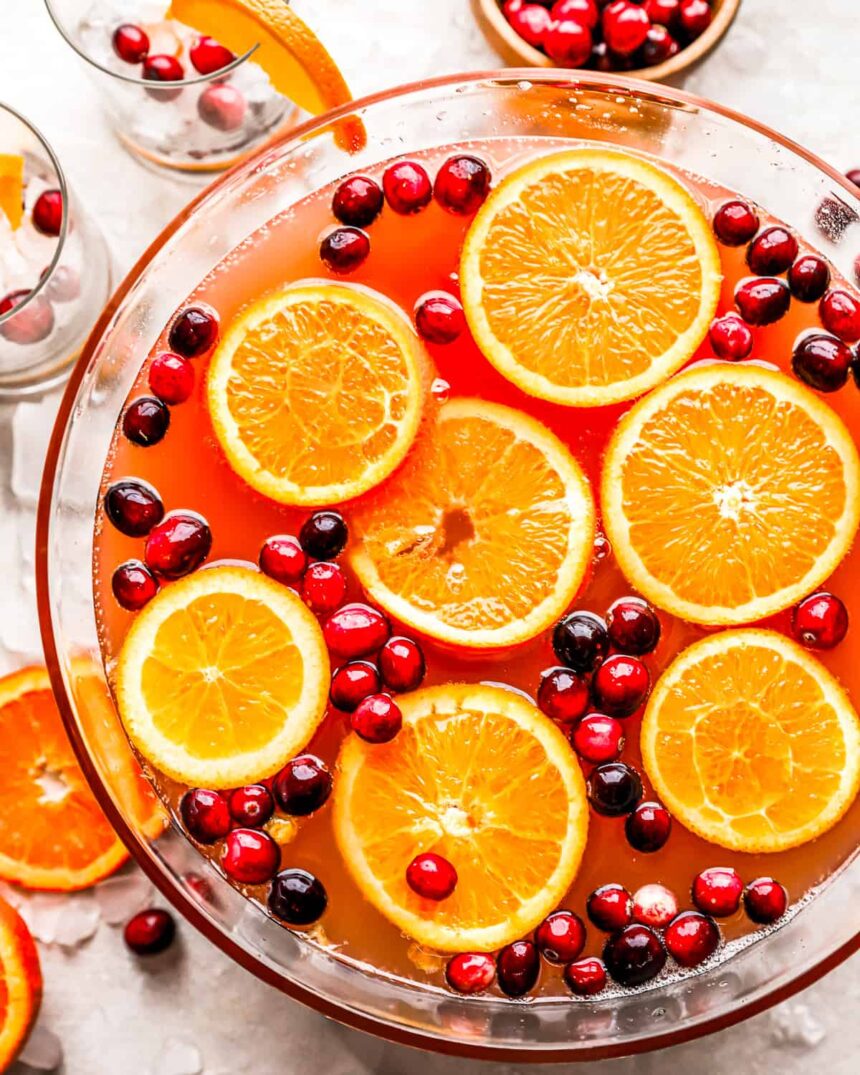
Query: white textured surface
pixel 792 65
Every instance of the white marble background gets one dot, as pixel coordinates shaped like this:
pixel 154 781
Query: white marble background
pixel 793 65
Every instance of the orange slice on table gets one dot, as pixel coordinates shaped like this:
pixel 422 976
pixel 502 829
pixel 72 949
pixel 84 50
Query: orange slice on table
pixel 222 677
pixel 12 188
pixel 482 777
pixel 316 391
pixel 729 493
pixel 20 984
pixel 484 536
pixel 751 742
pixel 589 276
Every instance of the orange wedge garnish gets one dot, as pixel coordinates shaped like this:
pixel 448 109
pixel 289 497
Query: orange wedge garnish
pixel 20 983
pixel 12 188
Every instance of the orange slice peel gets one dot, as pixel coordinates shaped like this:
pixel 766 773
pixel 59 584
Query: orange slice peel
pixel 20 984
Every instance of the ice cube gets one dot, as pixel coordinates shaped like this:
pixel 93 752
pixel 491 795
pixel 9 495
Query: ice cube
pixel 795 1025
pixel 178 1057
pixel 122 896
pixel 43 1050
pixel 57 918
pixel 31 431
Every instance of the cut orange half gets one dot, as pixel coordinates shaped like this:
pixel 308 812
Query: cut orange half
pixel 482 777
pixel 222 677
pixel 20 984
pixel 729 493
pixel 589 276
pixel 751 742
pixel 12 188
pixel 315 392
pixel 484 536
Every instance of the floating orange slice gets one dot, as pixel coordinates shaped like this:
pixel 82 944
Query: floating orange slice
pixel 483 537
pixel 222 677
pixel 482 777
pixel 589 276
pixel 12 188
pixel 20 984
pixel 751 742
pixel 315 392
pixel 729 493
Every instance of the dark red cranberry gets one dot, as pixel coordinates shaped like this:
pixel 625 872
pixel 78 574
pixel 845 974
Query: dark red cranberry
pixel 772 252
pixel 302 786
pixel 821 361
pixel 809 278
pixel 601 58
pixel 470 972
pixel 355 631
pixel 664 12
pixel 610 907
pixel 585 12
pixel 735 223
pixel 64 284
pixel 731 337
pixel 133 506
pixel 407 187
pixel 223 107
pixel 560 937
pixel 621 685
pixel 654 906
pixel 695 17
pixel 635 955
pixel 324 586
pixel 250 857
pixel 614 789
pixel 633 626
pixel 171 378
pixel 717 891
pixel 586 977
pixel 358 201
pixel 517 967
pixel 431 877
pixel 531 22
pixel 762 299
pixel 377 719
pixel 580 641
pixel 324 535
pixel 344 249
pixel 206 815
pixel 765 900
pixel 352 683
pixel 194 332
pixel 32 324
pixel 568 43
pixel 659 46
pixel 563 695
pixel 401 663
pixel 297 897
pixel 691 937
pixel 133 585
pixel 853 176
pixel 462 184
pixel 163 69
pixel 251 806
pixel 208 55
pixel 840 314
pixel 597 738
pixel 647 828
pixel 48 212
pixel 178 545
pixel 130 43
pixel 145 421
pixel 150 932
pixel 439 318
pixel 625 27
pixel 283 559
pixel 820 621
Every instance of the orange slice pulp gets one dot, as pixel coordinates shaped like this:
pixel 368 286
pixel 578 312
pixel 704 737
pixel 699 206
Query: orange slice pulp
pixel 12 188
pixel 20 984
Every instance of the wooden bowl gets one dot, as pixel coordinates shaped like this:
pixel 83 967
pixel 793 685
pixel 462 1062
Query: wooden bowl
pixel 519 53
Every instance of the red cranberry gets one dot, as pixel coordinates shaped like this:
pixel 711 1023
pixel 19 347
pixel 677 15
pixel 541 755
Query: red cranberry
pixel 352 683
pixel 821 361
pixel 178 545
pixel 731 337
pixel 635 955
pixel 517 968
pixel 251 806
pixel 130 43
pixel 64 284
pixel 762 299
pixel 602 59
pixel 659 46
pixel 695 17
pixel 48 212
pixel 163 69
pixel 470 972
pixel 654 906
pixel 563 695
pixel 208 55
pixel 692 937
pixel 222 107
pixel 531 22
pixel 462 184
pixel 145 421
pixel 772 252
pixel 357 201
pixel 820 621
pixel 431 876
pixel 735 223
pixel 568 43
pixel 205 814
pixel 344 249
pixel 560 937
pixel 584 12
pixel 377 719
pixel 297 897
pixel 250 857
pixel 401 663
pixel 324 586
pixel 597 738
pixel 765 900
pixel 809 278
pixel 283 559
pixel 614 789
pixel 150 932
pixel 194 332
pixel 625 27
pixel 32 324
pixel 580 641
pixel 610 907
pixel 324 535
pixel 302 786
pixel 633 626
pixel 355 631
pixel 133 585
pixel 621 685
pixel 171 377
pixel 664 12
pixel 840 314
pixel 586 977
pixel 853 176
pixel 407 187
pixel 647 828
pixel 717 891
pixel 133 507
pixel 439 318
